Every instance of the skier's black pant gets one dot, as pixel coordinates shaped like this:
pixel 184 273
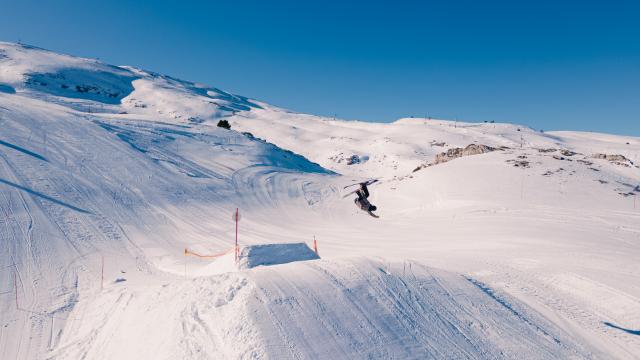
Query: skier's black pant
pixel 363 192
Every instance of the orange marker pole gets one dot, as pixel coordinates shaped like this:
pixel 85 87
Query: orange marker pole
pixel 102 274
pixel 15 284
pixel 237 235
pixel 315 245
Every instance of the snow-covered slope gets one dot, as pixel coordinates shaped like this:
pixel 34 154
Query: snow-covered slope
pixel 321 309
pixel 395 149
pixel 92 86
pixel 551 218
pixel 107 175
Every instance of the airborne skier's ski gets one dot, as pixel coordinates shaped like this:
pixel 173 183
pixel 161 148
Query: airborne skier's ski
pixel 362 200
pixel 367 183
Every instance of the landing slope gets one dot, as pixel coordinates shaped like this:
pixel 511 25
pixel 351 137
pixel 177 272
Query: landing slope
pixel 352 308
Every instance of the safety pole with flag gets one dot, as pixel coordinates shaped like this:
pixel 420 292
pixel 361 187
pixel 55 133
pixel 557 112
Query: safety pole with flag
pixel 236 217
pixel 315 245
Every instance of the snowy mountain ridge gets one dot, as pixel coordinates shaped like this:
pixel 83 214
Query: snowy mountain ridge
pixel 74 82
pixel 108 174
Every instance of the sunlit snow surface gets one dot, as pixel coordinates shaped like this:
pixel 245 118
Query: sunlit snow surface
pixel 108 173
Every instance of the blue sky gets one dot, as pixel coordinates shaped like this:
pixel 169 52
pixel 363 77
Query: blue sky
pixel 552 65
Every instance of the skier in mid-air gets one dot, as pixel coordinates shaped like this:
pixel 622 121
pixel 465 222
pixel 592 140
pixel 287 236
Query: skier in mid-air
pixel 361 200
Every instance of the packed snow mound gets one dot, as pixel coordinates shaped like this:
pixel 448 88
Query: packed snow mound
pixel 251 256
pixel 349 308
pixel 274 254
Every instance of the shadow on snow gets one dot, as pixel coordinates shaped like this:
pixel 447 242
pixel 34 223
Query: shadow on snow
pixel 23 150
pixel 628 331
pixel 43 196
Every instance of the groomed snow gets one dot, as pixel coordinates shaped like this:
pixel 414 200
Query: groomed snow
pixel 353 308
pixel 529 251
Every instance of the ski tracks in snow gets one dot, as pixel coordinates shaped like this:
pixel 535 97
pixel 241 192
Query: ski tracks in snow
pixel 587 304
pixel 414 318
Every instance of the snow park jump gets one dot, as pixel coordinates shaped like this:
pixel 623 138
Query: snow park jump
pixel 250 256
pixel 147 217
